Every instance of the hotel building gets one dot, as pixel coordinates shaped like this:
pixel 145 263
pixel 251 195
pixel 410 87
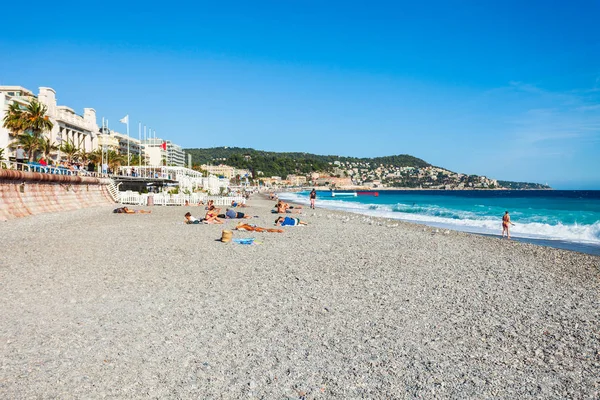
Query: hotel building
pixel 83 131
pixel 172 156
pixel 69 126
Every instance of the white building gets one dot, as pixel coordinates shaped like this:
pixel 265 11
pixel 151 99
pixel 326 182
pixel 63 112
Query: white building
pixel 69 126
pixel 157 155
pixel 175 155
pixel 127 144
pixel 219 170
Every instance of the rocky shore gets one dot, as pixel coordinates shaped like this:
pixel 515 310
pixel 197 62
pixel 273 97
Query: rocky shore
pixel 103 305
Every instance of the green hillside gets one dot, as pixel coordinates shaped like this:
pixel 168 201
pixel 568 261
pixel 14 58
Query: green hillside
pixel 283 164
pixel 522 185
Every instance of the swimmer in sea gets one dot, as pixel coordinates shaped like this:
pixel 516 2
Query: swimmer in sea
pixel 506 224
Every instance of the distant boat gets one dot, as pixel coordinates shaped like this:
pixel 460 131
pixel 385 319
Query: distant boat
pixel 334 194
pixel 369 193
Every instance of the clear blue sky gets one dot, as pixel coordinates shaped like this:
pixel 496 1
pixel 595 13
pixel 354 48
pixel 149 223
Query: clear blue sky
pixel 507 89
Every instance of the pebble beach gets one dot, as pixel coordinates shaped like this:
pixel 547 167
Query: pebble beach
pixel 102 305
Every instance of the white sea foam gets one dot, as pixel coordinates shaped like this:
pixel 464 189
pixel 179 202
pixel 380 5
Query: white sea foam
pixel 462 220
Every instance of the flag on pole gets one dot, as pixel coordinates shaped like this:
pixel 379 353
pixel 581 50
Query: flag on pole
pixel 125 120
pixel 164 146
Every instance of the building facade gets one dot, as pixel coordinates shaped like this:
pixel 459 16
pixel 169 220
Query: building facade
pixel 69 127
pixel 83 132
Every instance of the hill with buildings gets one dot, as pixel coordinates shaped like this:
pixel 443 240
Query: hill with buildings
pixel 399 171
pixel 270 163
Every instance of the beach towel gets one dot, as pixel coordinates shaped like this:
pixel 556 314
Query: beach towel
pixel 246 227
pixel 244 241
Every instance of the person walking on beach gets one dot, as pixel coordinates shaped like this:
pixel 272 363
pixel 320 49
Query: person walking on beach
pixel 313 197
pixel 505 224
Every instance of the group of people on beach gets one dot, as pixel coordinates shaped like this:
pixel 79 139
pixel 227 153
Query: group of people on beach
pixel 214 216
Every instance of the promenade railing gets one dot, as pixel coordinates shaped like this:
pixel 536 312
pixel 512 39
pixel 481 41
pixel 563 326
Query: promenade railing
pixel 167 199
pixel 49 169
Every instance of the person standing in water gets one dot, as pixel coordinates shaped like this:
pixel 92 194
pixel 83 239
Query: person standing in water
pixel 313 197
pixel 506 224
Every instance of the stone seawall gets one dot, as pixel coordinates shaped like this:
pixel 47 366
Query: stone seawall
pixel 30 193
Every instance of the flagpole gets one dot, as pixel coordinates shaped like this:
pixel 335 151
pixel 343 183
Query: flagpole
pixel 128 159
pixel 145 139
pixel 106 152
pixel 140 140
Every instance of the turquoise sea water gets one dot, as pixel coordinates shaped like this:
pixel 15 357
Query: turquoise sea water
pixel 558 218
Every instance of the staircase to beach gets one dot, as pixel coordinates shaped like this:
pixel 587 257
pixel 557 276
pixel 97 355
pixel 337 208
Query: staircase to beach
pixel 113 190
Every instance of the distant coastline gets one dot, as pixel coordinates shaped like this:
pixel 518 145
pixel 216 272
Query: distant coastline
pixel 369 189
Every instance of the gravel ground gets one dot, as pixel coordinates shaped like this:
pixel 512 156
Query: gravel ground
pixel 101 305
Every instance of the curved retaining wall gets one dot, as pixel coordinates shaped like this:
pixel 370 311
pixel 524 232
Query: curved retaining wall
pixel 29 193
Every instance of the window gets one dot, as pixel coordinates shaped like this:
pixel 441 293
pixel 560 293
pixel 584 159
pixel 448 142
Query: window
pixel 11 93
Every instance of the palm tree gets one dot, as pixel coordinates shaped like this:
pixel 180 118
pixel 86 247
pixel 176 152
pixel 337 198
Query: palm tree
pixel 29 124
pixel 135 159
pixel 13 120
pixel 47 147
pixel 69 149
pixel 29 142
pixel 115 160
pixel 35 118
pixel 95 156
pixel 83 156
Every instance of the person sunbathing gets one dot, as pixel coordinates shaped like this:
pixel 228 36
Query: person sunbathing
pixel 234 214
pixel 245 227
pixel 212 218
pixel 211 207
pixel 190 219
pixel 282 209
pixel 236 204
pixel 286 206
pixel 289 221
pixel 125 210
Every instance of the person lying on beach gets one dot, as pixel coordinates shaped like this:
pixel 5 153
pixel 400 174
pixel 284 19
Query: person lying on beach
pixel 212 218
pixel 245 227
pixel 281 209
pixel 190 219
pixel 234 214
pixel 286 205
pixel 125 210
pixel 289 221
pixel 236 204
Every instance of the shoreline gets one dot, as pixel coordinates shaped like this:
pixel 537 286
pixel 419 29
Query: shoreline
pixel 132 306
pixel 580 247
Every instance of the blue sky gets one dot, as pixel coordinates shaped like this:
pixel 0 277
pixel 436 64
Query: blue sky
pixel 507 89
